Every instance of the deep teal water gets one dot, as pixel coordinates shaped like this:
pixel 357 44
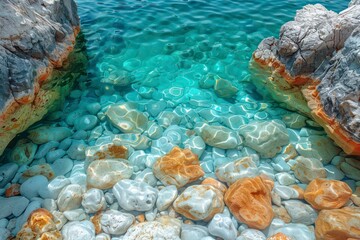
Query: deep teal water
pixel 159 44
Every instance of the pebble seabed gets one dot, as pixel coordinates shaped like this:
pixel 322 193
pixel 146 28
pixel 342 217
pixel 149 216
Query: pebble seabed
pixel 167 138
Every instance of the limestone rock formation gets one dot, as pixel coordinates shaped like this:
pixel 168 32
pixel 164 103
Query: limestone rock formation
pixel 36 38
pixel 314 68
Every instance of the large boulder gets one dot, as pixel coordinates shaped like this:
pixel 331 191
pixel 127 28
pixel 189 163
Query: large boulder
pixel 36 38
pixel 314 68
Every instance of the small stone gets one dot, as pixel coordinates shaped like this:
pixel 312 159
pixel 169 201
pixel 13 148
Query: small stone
pixel 199 202
pixel 23 152
pixel 34 187
pixel 136 141
pixel 285 179
pixel 49 204
pixel 7 172
pixel 295 231
pixel 115 222
pixel 222 226
pixel 104 174
pixel 294 120
pixel 285 192
pixel 300 212
pixel 75 214
pixel 279 236
pixel 333 172
pixel 76 150
pixel 126 118
pixel 70 197
pixel 196 145
pixel 40 225
pixel 43 169
pixel 307 169
pixel 190 232
pixel 46 134
pixel 76 230
pixel 166 197
pixel 62 166
pixel 153 230
pixel 93 200
pixel 53 155
pixel 56 185
pixel 338 224
pixel 179 167
pixel 147 176
pixel 351 168
pixel 213 182
pixel 106 151
pixel 103 236
pixel 12 190
pixel 224 88
pixel 327 194
pixel 281 213
pixel 266 137
pixel 251 234
pixel 134 195
pixel 13 205
pixel 240 168
pixel 220 137
pixel 249 200
pixel 86 122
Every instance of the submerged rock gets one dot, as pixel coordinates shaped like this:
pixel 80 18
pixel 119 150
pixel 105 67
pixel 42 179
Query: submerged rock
pixel 28 60
pixel 314 69
pixel 220 137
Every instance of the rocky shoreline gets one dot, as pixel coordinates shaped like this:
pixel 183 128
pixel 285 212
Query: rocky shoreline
pixel 314 68
pixel 36 39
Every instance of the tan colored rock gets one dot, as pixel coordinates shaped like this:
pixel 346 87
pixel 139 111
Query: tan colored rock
pixel 224 88
pixel 13 190
pixel 179 167
pixel 104 174
pixel 42 169
pixel 199 202
pixel 249 200
pixel 338 224
pixel 280 212
pixel 327 194
pixel 106 151
pixel 215 183
pixel 355 197
pixel 307 169
pixel 40 225
pixel 279 236
pixel 290 152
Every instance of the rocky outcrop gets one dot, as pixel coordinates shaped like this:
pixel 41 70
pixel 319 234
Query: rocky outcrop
pixel 36 38
pixel 314 68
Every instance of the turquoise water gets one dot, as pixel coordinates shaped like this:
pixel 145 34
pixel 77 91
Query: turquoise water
pixel 162 44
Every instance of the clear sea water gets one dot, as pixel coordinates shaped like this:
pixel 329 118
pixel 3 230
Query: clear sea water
pixel 161 44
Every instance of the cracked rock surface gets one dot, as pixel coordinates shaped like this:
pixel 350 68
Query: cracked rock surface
pixel 316 61
pixel 36 36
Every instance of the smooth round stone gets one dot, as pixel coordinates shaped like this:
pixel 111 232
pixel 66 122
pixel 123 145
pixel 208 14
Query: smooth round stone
pixel 59 219
pixel 34 187
pixel 251 234
pixel 234 122
pixel 154 107
pixel 49 204
pixel 104 236
pixel 220 137
pixel 137 160
pixel 62 166
pixel 196 144
pixel 115 222
pixel 307 169
pixel 333 172
pixel 56 185
pixel 23 153
pixel 103 174
pixel 7 172
pixel 21 220
pixel 167 118
pixel 191 232
pixel 154 131
pixel 224 88
pixel 45 148
pixel 285 192
pixel 70 197
pixel 3 223
pixel 241 168
pixel 133 195
pixel 42 169
pixel 93 108
pixel 285 179
pixel 162 146
pixel 166 197
pixel 4 233
pixel 222 226
pixel 71 117
pixel 13 205
pixel 65 144
pixel 295 231
pixel 80 135
pixel 147 176
pixel 75 215
pixel 266 137
pixel 46 134
pixel 76 150
pixel 294 120
pixel 76 230
pixel 300 212
pixel 51 156
pixel 351 168
pixel 199 202
pixel 136 141
pixel 93 200
pixel 86 122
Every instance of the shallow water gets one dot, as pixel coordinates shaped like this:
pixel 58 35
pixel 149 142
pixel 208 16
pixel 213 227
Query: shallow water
pixel 166 56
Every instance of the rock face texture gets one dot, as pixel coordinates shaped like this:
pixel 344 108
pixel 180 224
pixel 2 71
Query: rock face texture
pixel 36 37
pixel 314 68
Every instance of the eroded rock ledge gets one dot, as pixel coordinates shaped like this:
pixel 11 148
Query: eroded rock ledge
pixel 314 68
pixel 36 37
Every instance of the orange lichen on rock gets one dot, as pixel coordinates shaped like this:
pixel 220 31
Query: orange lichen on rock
pixel 279 236
pixel 249 200
pixel 179 167
pixel 215 183
pixel 13 190
pixel 338 224
pixel 40 225
pixel 327 194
